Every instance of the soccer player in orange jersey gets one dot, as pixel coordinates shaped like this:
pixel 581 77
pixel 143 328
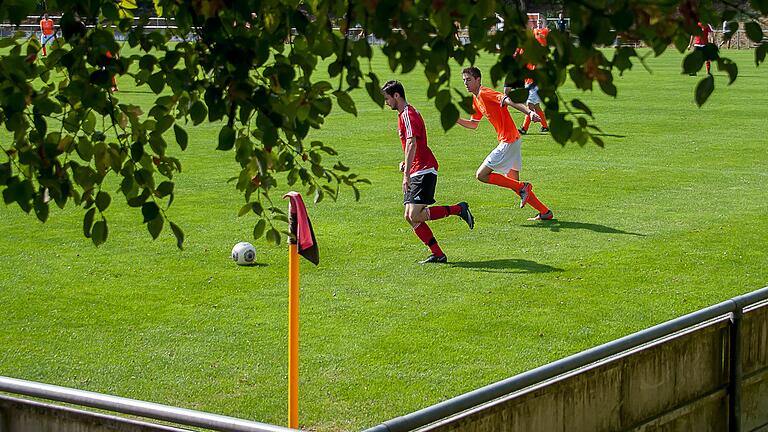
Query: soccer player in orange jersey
pixel 699 41
pixel 419 169
pixel 503 164
pixel 534 101
pixel 47 29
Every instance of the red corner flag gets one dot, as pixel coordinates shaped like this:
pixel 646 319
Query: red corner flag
pixel 300 228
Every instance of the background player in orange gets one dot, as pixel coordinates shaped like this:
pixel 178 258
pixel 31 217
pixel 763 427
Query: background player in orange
pixel 419 169
pixel 699 41
pixel 534 101
pixel 506 158
pixel 47 29
pixel 114 82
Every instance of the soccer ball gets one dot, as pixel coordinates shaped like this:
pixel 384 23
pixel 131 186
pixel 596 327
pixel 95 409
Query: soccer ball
pixel 244 253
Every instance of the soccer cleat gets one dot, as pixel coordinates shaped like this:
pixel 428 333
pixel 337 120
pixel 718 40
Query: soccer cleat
pixel 522 131
pixel 542 216
pixel 544 130
pixel 435 259
pixel 467 215
pixel 525 193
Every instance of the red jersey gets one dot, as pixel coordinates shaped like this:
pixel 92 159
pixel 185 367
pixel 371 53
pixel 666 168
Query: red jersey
pixel 46 25
pixel 703 39
pixel 486 103
pixel 541 35
pixel 410 124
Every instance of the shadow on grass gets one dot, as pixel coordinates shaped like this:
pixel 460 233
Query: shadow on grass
pixel 556 225
pixel 510 265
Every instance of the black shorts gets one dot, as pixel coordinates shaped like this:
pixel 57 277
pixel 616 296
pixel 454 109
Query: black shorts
pixel 422 189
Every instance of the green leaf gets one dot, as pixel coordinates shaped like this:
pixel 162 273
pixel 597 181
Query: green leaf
pixel 178 233
pixel 258 229
pixel 754 31
pixel 99 233
pixel 88 222
pixel 345 102
pixel 89 123
pixel 165 189
pixel 704 89
pixel 519 95
pixel 760 53
pixel 102 200
pixel 156 82
pixel 198 112
pixel 579 105
pixel 244 210
pixel 155 226
pixel 150 211
pixel 448 116
pixel 273 236
pixel 226 138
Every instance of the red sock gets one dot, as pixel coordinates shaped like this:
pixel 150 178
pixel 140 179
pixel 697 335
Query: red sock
pixel 44 50
pixel 534 202
pixel 543 120
pixel 504 181
pixel 709 64
pixel 425 235
pixel 439 212
pixel 526 122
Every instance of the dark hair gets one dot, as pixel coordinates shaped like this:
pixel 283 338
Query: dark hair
pixel 392 86
pixel 475 72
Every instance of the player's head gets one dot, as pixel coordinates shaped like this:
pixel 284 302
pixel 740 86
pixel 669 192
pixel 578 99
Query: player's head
pixel 45 16
pixel 471 77
pixel 394 94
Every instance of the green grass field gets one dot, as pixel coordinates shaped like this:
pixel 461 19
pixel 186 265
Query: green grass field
pixel 671 216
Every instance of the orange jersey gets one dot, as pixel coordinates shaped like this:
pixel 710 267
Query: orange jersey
pixel 486 103
pixel 46 25
pixel 541 35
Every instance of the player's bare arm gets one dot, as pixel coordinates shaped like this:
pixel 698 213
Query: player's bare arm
pixel 468 123
pixel 523 108
pixel 410 153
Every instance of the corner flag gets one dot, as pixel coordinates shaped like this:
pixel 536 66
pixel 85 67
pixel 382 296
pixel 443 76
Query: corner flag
pixel 300 228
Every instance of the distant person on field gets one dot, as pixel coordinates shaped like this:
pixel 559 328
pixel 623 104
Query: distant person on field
pixel 47 30
pixel 110 56
pixel 419 168
pixel 534 101
pixel 699 41
pixel 726 36
pixel 503 164
pixel 562 24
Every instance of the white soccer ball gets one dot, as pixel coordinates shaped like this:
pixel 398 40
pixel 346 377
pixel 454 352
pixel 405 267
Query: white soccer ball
pixel 244 253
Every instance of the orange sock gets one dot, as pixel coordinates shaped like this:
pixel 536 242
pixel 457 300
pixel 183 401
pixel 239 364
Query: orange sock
pixel 503 181
pixel 526 122
pixel 543 120
pixel 44 53
pixel 709 64
pixel 534 202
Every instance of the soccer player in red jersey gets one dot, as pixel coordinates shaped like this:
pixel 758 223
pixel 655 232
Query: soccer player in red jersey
pixel 46 27
pixel 699 41
pixel 419 169
pixel 506 158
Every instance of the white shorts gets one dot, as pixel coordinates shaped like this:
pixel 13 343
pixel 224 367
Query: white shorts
pixel 533 94
pixel 505 157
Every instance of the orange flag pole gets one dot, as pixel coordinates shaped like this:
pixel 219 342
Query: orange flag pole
pixel 300 242
pixel 293 335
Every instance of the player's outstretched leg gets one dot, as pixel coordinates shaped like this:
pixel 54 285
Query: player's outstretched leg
pixel 461 210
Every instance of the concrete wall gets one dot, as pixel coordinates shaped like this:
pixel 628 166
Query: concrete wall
pixel 17 415
pixel 677 384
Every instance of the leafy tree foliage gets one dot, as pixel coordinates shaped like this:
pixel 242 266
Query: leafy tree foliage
pixel 251 66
